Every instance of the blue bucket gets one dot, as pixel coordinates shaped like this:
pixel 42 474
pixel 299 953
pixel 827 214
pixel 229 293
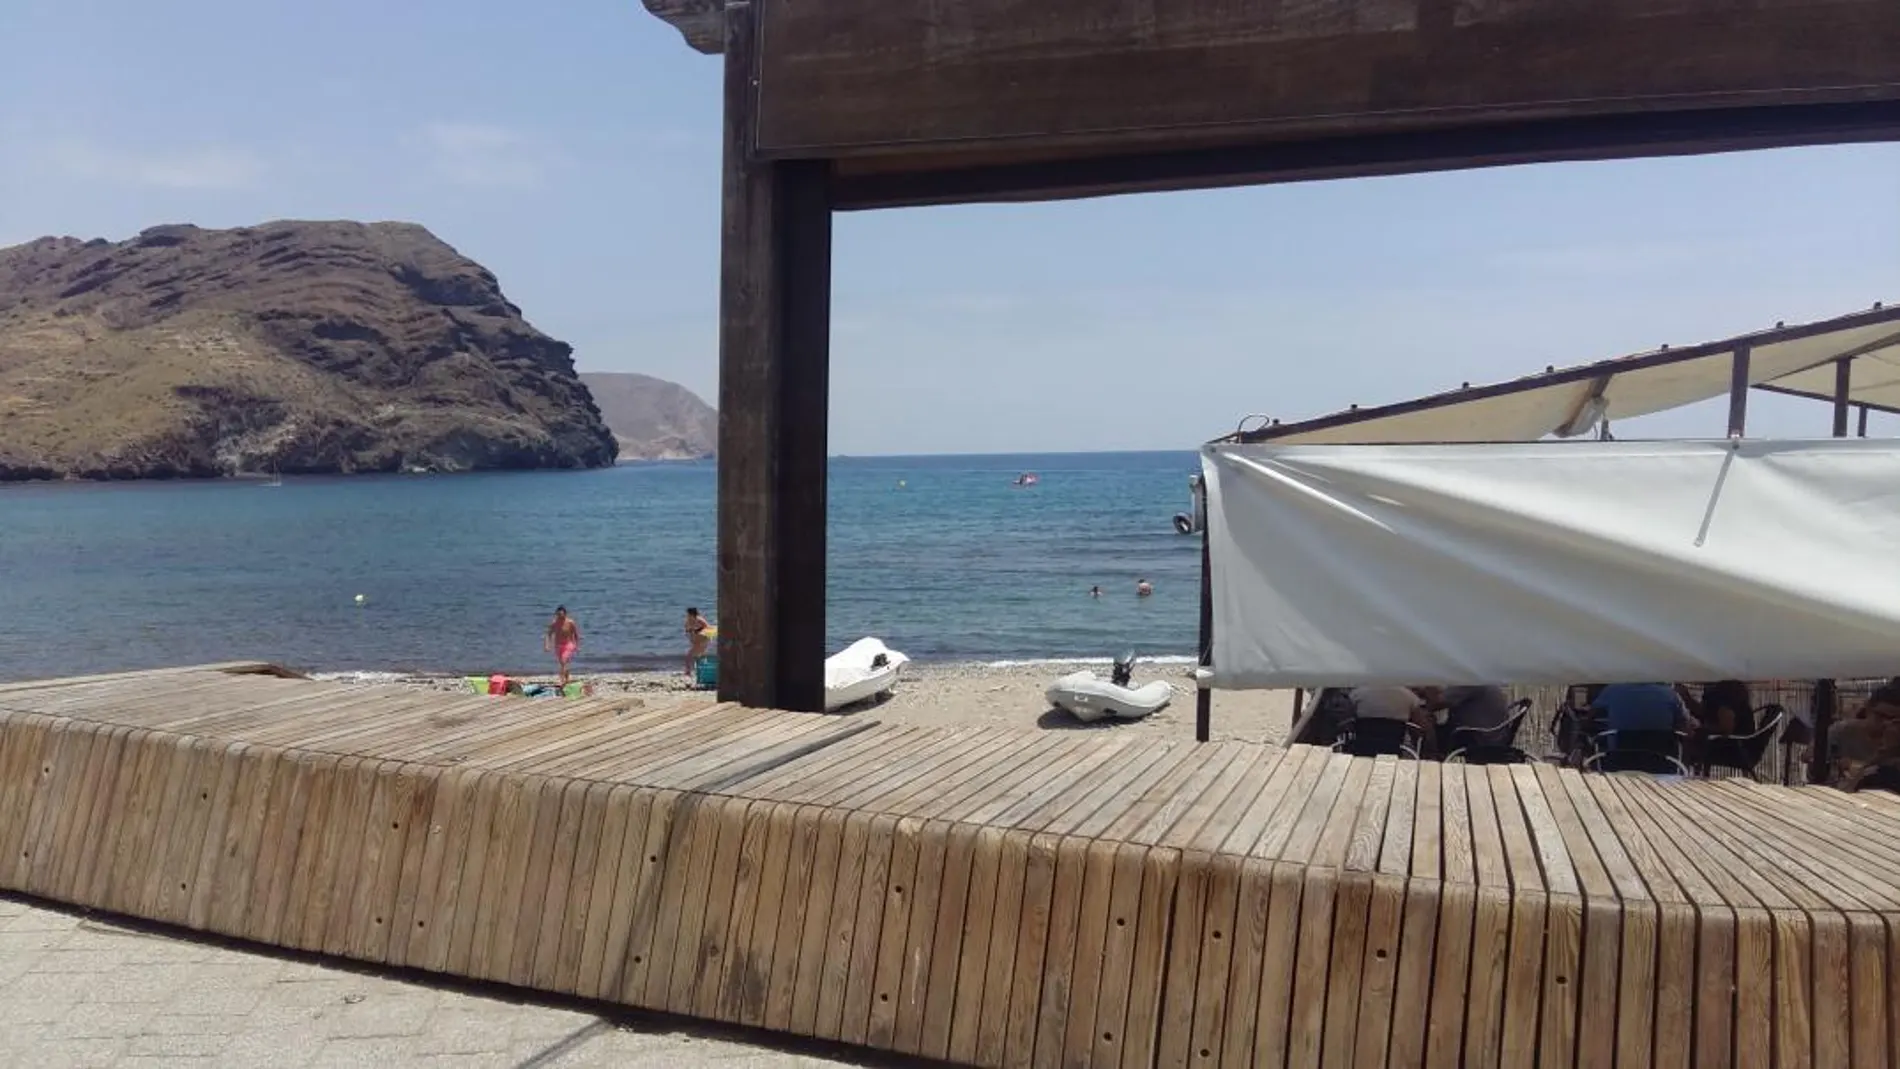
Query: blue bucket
pixel 706 670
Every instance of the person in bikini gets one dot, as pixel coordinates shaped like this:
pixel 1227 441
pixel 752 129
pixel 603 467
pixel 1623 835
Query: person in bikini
pixel 696 640
pixel 563 640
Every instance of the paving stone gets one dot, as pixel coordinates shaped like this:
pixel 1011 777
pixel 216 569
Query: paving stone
pixel 96 1020
pixel 72 1054
pixel 464 1029
pixel 203 1045
pixel 156 984
pixel 364 1053
pixel 85 993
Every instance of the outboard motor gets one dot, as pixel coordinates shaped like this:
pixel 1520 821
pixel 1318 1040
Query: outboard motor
pixel 1124 669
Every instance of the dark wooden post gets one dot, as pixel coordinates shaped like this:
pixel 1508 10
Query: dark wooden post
pixel 1738 393
pixel 1203 697
pixel 1863 421
pixel 774 360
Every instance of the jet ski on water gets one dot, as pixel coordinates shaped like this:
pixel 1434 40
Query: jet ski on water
pixel 1088 697
pixel 1028 478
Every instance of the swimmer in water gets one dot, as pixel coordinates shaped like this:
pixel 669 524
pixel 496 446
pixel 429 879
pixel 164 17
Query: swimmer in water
pixel 563 640
pixel 1143 588
pixel 1095 591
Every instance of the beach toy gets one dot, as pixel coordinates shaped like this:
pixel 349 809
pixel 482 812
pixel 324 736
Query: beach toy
pixel 711 632
pixel 706 670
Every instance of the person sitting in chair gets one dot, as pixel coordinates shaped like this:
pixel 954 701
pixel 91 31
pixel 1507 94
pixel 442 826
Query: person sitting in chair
pixel 1869 742
pixel 1641 707
pixel 1725 708
pixel 1392 703
pixel 1475 712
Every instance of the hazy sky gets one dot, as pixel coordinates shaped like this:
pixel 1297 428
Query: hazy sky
pixel 573 148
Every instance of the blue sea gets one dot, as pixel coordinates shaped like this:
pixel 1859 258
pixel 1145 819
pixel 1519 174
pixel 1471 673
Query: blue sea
pixel 943 557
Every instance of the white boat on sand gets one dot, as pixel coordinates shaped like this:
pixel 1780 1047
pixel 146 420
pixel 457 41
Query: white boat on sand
pixel 1088 697
pixel 861 671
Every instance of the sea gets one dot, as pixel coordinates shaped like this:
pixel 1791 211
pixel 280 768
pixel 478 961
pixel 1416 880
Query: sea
pixel 942 557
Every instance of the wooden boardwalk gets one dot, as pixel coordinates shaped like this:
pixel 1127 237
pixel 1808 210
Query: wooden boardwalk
pixel 1085 898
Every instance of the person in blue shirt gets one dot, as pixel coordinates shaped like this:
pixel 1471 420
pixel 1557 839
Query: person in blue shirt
pixel 1641 707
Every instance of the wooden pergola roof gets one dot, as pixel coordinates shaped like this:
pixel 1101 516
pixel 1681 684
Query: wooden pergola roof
pixel 852 104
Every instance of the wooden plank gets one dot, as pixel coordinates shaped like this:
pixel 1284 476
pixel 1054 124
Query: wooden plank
pixel 752 976
pixel 628 934
pixel 895 931
pixel 815 925
pixel 705 928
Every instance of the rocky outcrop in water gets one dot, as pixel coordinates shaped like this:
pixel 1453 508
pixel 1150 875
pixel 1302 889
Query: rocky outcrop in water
pixel 297 347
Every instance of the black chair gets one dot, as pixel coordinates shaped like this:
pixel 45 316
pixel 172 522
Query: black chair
pixel 1573 731
pixel 1492 745
pixel 1742 753
pixel 1332 709
pixel 1374 736
pixel 1658 753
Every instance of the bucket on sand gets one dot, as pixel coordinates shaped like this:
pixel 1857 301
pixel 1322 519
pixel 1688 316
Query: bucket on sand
pixel 706 670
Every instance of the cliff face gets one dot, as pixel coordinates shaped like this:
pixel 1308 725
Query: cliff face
pixel 299 347
pixel 654 419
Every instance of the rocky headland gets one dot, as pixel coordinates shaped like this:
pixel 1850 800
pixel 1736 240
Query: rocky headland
pixel 290 347
pixel 654 419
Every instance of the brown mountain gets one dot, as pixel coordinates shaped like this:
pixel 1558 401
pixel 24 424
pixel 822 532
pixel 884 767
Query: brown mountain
pixel 300 347
pixel 654 419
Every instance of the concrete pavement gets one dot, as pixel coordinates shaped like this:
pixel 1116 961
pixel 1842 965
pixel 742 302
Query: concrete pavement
pixel 87 990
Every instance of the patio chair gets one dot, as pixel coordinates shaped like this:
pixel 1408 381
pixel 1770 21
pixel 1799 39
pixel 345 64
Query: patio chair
pixel 1571 732
pixel 1742 753
pixel 1490 746
pixel 1372 736
pixel 1658 753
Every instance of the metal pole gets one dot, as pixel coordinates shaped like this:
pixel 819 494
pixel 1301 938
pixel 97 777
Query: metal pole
pixel 1843 385
pixel 1826 692
pixel 1738 393
pixel 1826 697
pixel 1203 697
pixel 1863 421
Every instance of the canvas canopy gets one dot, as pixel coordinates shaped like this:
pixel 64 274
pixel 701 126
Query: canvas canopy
pixel 1570 401
pixel 1552 563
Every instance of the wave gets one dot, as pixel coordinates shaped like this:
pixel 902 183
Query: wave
pixel 364 677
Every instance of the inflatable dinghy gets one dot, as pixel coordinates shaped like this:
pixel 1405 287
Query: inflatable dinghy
pixel 1088 697
pixel 860 672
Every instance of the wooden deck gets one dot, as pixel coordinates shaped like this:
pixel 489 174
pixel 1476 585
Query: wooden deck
pixel 1087 898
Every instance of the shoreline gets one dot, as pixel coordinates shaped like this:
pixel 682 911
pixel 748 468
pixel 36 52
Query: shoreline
pixel 954 694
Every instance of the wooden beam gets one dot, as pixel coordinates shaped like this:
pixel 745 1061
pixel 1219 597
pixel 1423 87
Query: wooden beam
pixel 855 77
pixel 1030 174
pixel 774 338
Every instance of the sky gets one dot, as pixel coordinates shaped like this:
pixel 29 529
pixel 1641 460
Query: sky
pixel 573 148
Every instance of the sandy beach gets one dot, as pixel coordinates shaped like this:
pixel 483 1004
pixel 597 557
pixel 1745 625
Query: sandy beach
pixel 953 695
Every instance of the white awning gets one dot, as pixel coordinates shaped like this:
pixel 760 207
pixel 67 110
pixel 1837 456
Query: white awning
pixel 1553 563
pixel 1800 359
